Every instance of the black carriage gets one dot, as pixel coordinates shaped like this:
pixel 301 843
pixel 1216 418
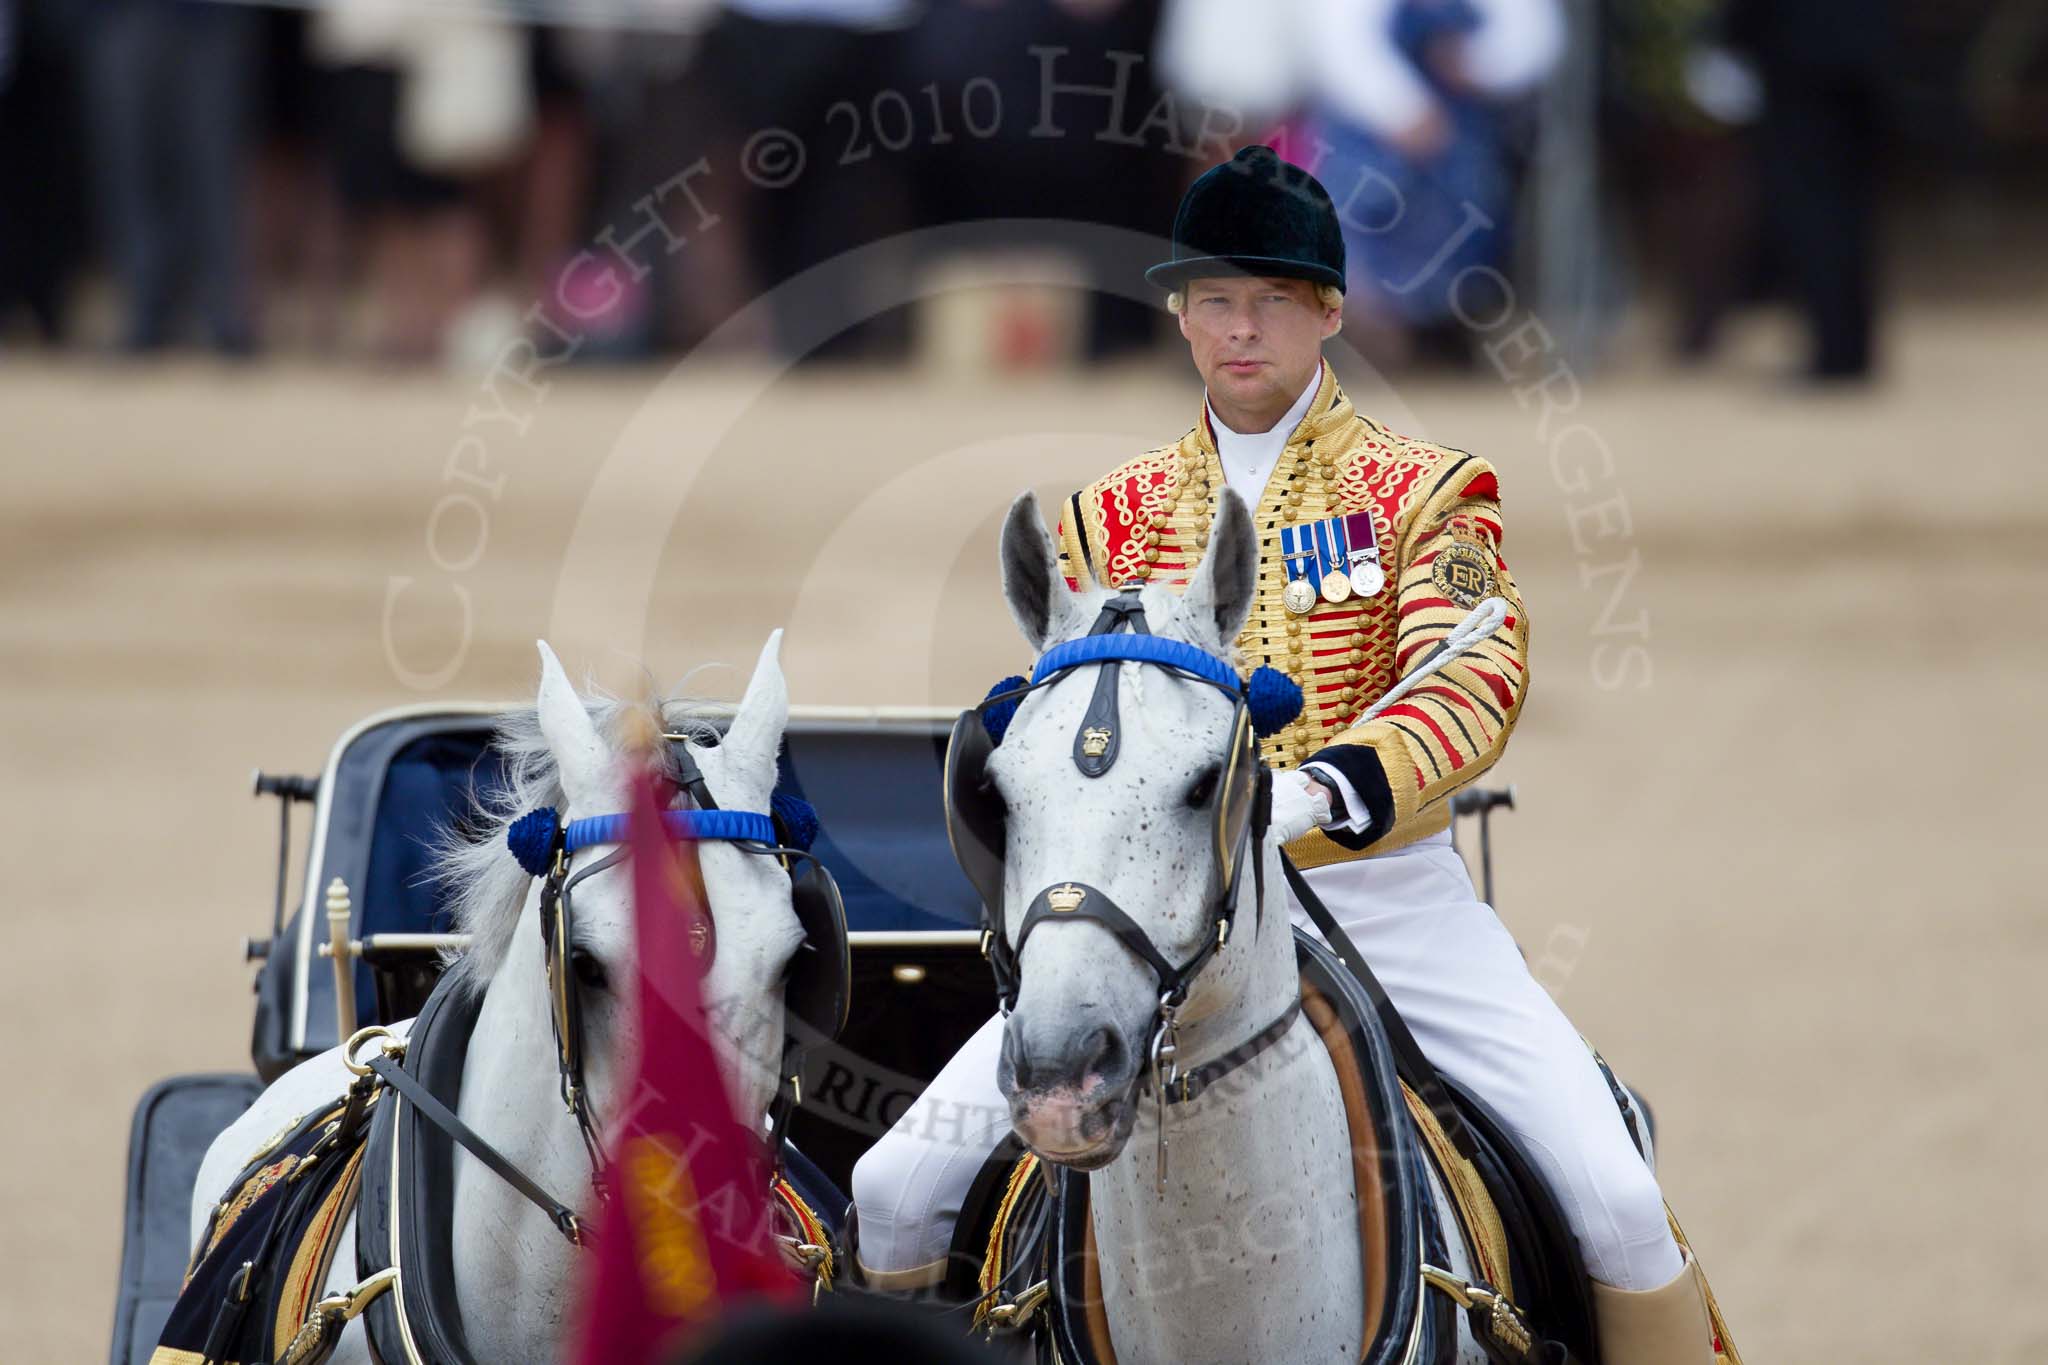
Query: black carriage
pixel 919 984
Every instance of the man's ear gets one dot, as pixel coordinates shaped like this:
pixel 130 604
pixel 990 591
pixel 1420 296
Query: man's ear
pixel 1333 321
pixel 1182 318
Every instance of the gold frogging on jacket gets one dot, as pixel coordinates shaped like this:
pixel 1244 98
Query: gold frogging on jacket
pixel 1149 521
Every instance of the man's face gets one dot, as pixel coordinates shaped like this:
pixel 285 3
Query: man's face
pixel 1256 341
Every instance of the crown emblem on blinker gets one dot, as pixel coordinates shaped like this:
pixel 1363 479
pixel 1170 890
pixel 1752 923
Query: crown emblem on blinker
pixel 1065 900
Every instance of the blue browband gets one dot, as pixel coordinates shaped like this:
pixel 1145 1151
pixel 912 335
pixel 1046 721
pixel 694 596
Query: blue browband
pixel 532 837
pixel 1275 699
pixel 746 825
pixel 1141 649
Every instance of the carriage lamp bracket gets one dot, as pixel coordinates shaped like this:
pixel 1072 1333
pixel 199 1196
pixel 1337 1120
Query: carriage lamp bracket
pixel 288 790
pixel 1482 802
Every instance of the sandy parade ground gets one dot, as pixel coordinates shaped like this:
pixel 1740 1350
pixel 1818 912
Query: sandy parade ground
pixel 1775 850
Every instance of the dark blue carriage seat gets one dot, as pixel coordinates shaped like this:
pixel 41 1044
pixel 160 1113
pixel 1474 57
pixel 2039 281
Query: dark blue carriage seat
pixel 175 1122
pixel 875 783
pixel 396 779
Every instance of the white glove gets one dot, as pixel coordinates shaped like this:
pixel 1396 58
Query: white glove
pixel 1299 805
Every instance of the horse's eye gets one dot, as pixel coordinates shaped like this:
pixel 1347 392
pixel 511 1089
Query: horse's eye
pixel 1205 786
pixel 589 971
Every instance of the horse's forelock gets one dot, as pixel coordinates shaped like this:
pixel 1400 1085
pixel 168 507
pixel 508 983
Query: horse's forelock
pixel 485 886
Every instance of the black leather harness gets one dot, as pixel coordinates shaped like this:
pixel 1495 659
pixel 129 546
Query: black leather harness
pixel 408 1203
pixel 1042 1239
pixel 1242 804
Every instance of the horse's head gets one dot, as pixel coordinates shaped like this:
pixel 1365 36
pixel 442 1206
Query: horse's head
pixel 576 763
pixel 1141 833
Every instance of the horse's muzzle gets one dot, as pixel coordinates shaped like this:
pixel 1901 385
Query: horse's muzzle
pixel 1071 1099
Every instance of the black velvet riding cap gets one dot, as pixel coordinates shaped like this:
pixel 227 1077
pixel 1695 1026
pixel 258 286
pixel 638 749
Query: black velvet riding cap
pixel 1256 215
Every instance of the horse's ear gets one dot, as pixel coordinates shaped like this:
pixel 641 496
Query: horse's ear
pixel 580 753
pixel 1032 582
pixel 756 730
pixel 1219 596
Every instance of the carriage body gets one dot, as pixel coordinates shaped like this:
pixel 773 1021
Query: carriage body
pixel 919 984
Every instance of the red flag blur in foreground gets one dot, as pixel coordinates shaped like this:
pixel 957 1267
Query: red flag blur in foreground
pixel 687 1229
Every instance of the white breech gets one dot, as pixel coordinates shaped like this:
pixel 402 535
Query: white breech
pixel 1457 977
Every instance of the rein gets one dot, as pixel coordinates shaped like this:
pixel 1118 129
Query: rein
pixel 384 1064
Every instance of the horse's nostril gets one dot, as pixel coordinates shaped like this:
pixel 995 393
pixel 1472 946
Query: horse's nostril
pixel 1105 1054
pixel 1070 1060
pixel 1017 1058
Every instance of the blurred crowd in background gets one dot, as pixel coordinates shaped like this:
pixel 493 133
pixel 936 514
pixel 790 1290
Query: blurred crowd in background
pixel 406 179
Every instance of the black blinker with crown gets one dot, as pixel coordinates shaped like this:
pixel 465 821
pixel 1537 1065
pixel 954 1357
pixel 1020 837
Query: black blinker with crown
pixel 1255 215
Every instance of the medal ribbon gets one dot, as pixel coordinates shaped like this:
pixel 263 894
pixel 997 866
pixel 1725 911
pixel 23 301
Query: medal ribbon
pixel 1332 547
pixel 1301 556
pixel 1364 542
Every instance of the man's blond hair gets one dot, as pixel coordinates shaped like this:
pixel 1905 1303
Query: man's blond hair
pixel 1328 295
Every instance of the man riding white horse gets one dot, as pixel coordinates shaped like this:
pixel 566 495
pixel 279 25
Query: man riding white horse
pixel 1372 548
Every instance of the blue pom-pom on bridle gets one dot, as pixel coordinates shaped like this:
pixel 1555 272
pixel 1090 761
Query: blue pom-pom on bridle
pixel 1274 700
pixel 532 839
pixel 997 715
pixel 797 817
pixel 534 836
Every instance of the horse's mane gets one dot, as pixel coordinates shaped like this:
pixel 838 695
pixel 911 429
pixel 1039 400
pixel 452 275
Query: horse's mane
pixel 471 864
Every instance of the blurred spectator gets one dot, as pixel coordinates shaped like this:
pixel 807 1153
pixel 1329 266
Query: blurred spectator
pixel 416 105
pixel 42 159
pixel 785 64
pixel 170 84
pixel 649 118
pixel 1013 175
pixel 1823 65
pixel 1681 110
pixel 1409 127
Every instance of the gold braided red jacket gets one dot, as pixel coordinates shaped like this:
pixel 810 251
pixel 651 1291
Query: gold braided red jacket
pixel 1436 516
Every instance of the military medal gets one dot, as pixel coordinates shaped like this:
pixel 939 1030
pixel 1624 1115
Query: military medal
pixel 1332 552
pixel 1334 559
pixel 1367 578
pixel 1304 572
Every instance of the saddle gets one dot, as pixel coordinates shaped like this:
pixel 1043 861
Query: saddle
pixel 1026 1224
pixel 254 1293
pixel 258 1272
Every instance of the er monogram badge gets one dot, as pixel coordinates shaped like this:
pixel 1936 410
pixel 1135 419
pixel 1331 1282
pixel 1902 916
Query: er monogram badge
pixel 1463 572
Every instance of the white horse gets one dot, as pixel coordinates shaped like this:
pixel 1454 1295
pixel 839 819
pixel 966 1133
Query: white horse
pixel 512 1267
pixel 1250 1246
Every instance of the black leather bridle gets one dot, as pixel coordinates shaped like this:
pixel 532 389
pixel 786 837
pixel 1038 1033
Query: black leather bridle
pixel 816 995
pixel 977 826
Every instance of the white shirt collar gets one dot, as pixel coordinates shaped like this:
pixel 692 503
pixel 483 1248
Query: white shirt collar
pixel 1248 460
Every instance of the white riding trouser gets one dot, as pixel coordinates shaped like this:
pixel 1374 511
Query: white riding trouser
pixel 1457 977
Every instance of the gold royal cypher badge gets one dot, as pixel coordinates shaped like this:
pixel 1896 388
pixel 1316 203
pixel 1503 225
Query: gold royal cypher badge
pixel 1463 572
